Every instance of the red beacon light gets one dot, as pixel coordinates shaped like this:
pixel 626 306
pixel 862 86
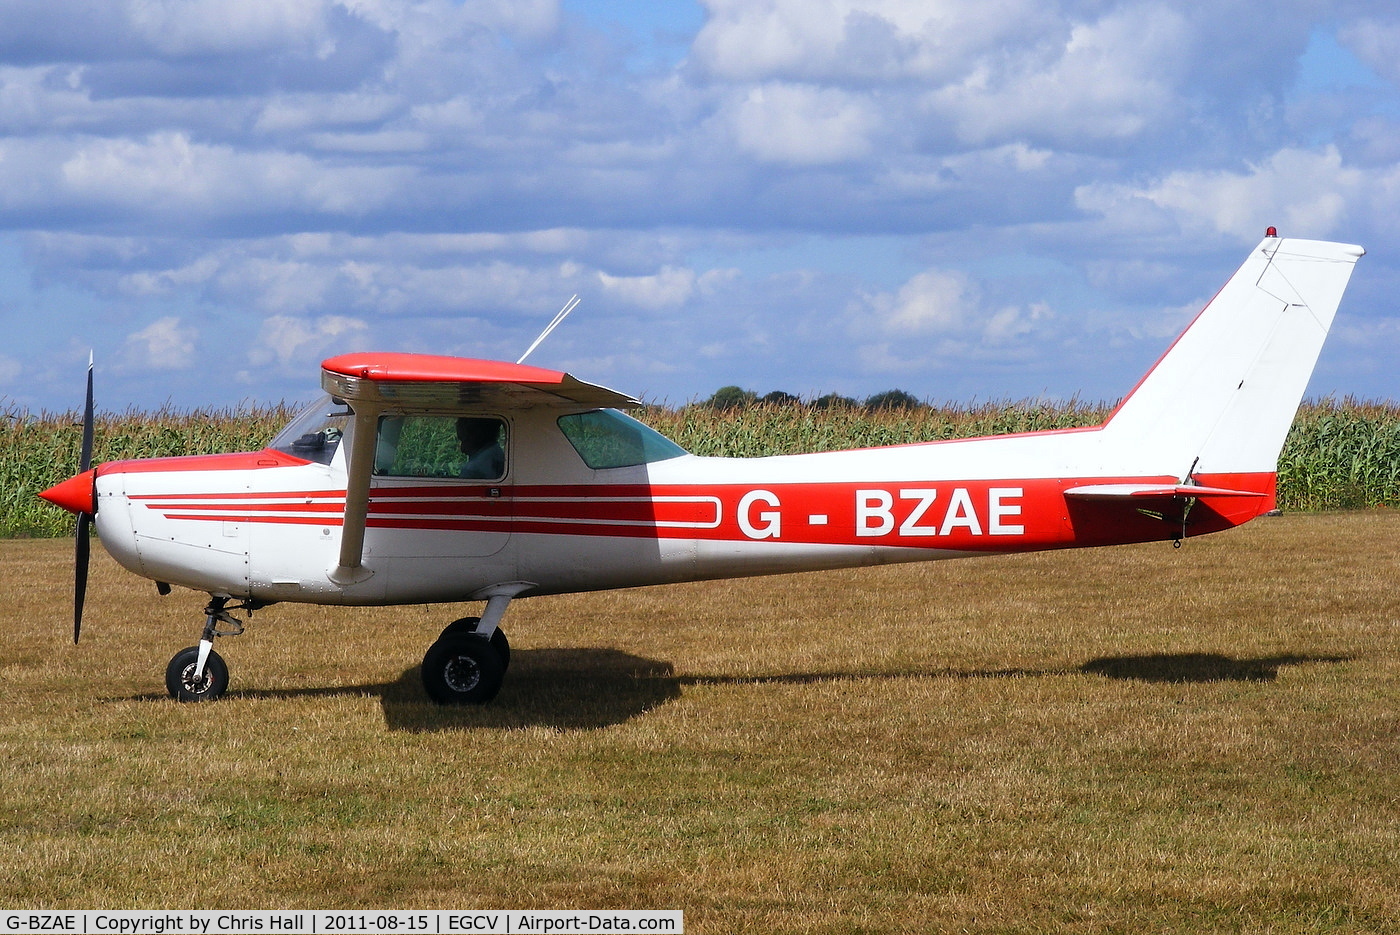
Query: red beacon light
pixel 1271 232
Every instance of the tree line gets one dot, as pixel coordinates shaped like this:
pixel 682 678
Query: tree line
pixel 736 397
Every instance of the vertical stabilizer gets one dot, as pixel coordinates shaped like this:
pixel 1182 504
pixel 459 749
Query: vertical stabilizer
pixel 1222 398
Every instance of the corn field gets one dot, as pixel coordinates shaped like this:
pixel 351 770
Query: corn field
pixel 37 452
pixel 1341 456
pixel 1338 455
pixel 777 429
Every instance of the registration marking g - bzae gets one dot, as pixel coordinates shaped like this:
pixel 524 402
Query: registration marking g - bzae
pixel 888 514
pixel 427 479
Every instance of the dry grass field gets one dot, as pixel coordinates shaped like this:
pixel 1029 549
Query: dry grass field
pixel 1125 740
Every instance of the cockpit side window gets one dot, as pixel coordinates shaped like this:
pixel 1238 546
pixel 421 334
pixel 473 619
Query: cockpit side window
pixel 605 438
pixel 316 432
pixel 471 447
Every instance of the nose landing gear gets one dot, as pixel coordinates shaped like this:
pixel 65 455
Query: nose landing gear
pixel 186 681
pixel 197 673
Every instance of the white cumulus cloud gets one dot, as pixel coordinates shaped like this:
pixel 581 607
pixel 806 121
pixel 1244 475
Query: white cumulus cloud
pixel 10 370
pixel 1110 78
pixel 1304 193
pixel 189 27
pixel 838 40
pixel 286 339
pixel 668 287
pixel 931 302
pixel 1377 42
pixel 164 344
pixel 804 125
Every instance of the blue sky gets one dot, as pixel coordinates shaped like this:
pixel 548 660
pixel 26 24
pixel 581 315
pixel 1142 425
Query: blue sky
pixel 965 200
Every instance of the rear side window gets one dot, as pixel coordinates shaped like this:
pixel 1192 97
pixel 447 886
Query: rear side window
pixel 605 438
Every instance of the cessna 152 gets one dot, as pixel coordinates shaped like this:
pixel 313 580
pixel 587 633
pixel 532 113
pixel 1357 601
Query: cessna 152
pixel 423 479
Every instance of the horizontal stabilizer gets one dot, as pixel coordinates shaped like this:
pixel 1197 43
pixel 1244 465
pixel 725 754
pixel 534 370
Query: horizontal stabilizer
pixel 1138 491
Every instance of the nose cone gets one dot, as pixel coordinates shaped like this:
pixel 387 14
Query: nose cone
pixel 75 494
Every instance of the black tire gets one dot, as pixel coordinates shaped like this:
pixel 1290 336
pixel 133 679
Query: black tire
pixel 179 676
pixel 462 669
pixel 469 625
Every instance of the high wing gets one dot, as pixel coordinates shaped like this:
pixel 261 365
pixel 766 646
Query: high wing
pixel 375 384
pixel 420 382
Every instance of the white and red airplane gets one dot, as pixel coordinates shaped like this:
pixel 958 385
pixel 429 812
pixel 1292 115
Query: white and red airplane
pixel 423 479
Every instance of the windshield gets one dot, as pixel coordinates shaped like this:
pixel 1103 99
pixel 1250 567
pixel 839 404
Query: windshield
pixel 316 432
pixel 605 438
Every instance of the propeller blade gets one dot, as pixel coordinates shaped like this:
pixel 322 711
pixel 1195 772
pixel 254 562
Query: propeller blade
pixel 85 459
pixel 82 547
pixel 82 543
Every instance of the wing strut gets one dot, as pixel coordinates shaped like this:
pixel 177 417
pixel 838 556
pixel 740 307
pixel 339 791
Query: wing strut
pixel 350 569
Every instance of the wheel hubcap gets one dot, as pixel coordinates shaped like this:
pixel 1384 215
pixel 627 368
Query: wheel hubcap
pixel 462 674
pixel 187 679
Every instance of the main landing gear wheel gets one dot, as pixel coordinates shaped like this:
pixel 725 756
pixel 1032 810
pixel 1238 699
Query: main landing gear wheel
pixel 180 680
pixel 462 668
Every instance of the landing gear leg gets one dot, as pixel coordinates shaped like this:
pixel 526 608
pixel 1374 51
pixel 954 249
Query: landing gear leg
pixel 197 673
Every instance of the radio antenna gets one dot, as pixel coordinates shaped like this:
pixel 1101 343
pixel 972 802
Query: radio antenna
pixel 569 306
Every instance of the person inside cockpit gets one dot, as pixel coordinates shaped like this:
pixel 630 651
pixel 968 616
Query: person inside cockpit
pixel 480 442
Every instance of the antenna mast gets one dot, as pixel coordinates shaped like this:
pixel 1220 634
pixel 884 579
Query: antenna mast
pixel 569 306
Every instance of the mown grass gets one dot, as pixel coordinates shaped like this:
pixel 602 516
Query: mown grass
pixel 1338 455
pixel 1114 740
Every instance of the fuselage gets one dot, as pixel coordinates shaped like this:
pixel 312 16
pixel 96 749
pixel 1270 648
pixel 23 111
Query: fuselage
pixel 267 525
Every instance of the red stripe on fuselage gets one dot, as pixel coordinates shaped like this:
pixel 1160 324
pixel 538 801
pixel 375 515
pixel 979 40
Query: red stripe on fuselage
pixel 988 516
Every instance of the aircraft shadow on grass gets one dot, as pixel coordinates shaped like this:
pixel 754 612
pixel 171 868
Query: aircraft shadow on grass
pixel 588 689
pixel 1198 667
pixel 591 688
pixel 577 689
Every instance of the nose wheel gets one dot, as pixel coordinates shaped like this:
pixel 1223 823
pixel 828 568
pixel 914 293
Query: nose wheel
pixel 197 673
pixel 185 681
